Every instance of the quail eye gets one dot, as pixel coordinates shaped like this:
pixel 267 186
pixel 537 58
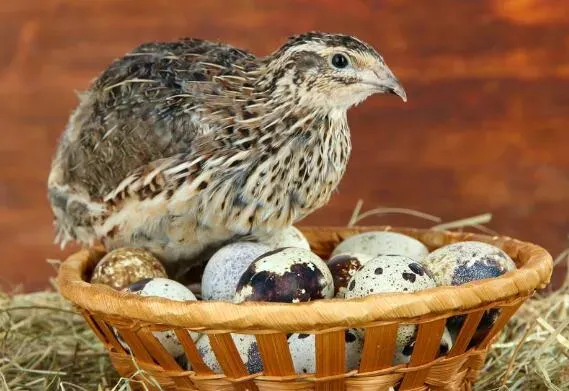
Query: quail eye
pixel 340 61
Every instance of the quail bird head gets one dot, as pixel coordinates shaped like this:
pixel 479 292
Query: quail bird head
pixel 330 72
pixel 181 146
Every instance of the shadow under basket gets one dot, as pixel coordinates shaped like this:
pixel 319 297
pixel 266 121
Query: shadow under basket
pixel 135 318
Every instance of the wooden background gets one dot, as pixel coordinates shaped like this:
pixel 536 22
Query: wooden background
pixel 486 128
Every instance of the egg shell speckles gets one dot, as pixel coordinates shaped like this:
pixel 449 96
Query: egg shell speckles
pixel 303 353
pixel 225 268
pixel 463 262
pixel 389 273
pixel 121 267
pixel 405 344
pixel 288 237
pixel 286 275
pixel 343 267
pixel 381 243
pixel 246 346
pixel 169 289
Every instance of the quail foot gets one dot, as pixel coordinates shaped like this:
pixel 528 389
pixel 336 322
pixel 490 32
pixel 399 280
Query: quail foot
pixel 179 147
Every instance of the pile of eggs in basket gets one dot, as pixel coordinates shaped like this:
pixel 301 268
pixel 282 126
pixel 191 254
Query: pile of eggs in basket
pixel 283 269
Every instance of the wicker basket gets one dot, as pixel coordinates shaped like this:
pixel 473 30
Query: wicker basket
pixel 136 317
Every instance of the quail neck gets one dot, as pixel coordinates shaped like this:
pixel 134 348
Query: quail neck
pixel 178 147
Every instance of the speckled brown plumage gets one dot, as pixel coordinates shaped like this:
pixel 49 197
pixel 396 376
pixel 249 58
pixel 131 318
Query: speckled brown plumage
pixel 179 146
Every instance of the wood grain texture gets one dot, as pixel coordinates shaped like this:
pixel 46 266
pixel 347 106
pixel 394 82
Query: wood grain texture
pixel 486 128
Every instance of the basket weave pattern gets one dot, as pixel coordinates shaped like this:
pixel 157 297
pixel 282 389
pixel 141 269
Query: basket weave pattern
pixel 135 318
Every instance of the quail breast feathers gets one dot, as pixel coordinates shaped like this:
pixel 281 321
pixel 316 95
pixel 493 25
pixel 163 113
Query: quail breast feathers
pixel 180 146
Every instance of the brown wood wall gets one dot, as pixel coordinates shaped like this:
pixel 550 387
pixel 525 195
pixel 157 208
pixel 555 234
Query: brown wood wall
pixel 486 128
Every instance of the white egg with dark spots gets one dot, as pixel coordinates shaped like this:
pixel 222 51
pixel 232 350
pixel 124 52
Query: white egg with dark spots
pixel 303 351
pixel 246 346
pixel 124 266
pixel 406 340
pixel 459 263
pixel 381 243
pixel 464 262
pixel 225 268
pixel 354 348
pixel 388 274
pixel 343 267
pixel 168 289
pixel 287 237
pixel 287 275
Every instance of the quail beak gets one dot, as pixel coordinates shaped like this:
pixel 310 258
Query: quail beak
pixel 386 82
pixel 394 87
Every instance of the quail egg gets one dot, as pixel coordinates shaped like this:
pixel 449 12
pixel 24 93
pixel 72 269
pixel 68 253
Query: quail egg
pixel 169 289
pixel 225 267
pixel 288 275
pixel 406 337
pixel 287 237
pixel 343 267
pixel 124 266
pixel 463 262
pixel 303 351
pixel 381 243
pixel 246 346
pixel 391 273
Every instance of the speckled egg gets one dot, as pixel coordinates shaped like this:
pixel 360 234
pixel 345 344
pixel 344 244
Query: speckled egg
pixel 383 243
pixel 463 262
pixel 246 346
pixel 389 273
pixel 124 266
pixel 225 268
pixel 169 289
pixel 303 351
pixel 287 275
pixel 406 339
pixel 288 237
pixel 343 267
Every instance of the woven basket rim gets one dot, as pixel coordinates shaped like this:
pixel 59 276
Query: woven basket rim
pixel 535 272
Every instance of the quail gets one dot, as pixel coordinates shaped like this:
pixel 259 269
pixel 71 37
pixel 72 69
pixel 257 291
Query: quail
pixel 180 146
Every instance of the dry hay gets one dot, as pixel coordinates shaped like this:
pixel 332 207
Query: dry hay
pixel 46 345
